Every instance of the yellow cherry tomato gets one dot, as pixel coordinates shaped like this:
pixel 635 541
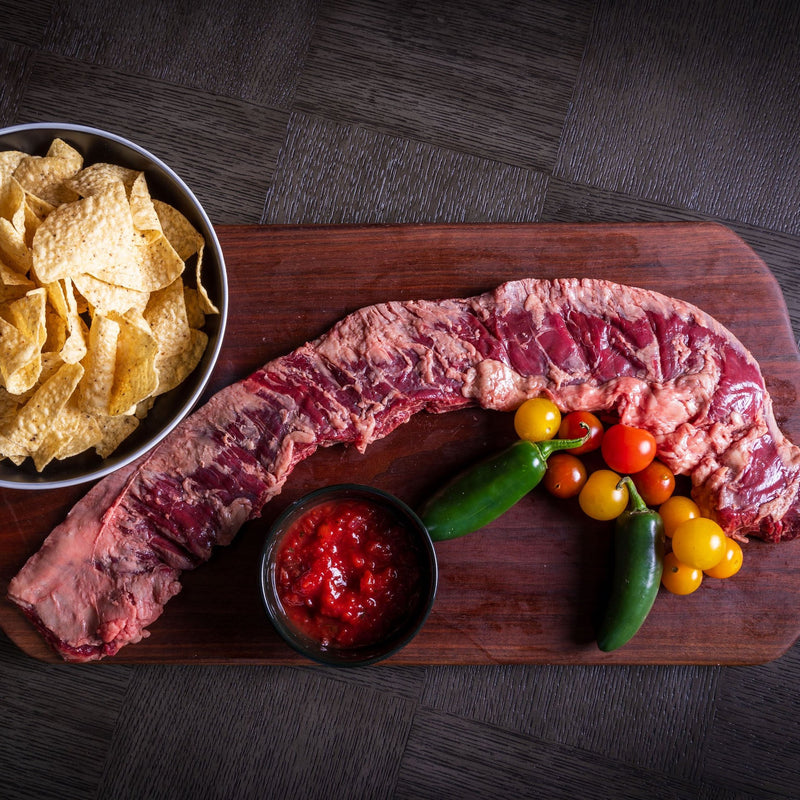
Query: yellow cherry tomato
pixel 731 562
pixel 699 543
pixel 680 578
pixel 675 511
pixel 600 498
pixel 537 419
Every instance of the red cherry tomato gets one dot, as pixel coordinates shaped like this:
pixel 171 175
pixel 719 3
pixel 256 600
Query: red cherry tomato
pixel 655 483
pixel 565 475
pixel 571 428
pixel 627 449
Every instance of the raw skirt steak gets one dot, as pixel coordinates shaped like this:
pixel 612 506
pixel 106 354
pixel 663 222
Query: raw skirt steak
pixel 105 573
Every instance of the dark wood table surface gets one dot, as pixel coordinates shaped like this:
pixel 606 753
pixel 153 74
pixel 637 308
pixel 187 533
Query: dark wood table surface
pixel 359 111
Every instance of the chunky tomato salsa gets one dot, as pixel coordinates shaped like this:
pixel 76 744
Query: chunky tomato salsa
pixel 347 573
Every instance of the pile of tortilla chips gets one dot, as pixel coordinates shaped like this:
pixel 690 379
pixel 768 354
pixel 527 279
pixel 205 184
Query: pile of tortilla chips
pixel 95 319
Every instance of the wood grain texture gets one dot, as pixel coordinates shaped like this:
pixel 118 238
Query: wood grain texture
pixel 668 112
pixel 246 758
pixel 569 705
pixel 178 42
pixel 46 710
pixel 228 147
pixel 679 104
pixel 533 599
pixel 492 80
pixel 13 59
pixel 773 691
pixel 498 764
pixel 24 23
pixel 330 173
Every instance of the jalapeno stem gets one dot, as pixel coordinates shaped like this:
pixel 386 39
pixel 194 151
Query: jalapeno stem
pixel 482 493
pixel 550 446
pixel 635 501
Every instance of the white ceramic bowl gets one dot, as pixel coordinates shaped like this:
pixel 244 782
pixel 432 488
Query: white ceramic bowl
pixel 164 184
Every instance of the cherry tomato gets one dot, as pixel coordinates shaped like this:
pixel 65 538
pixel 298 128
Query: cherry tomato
pixel 565 475
pixel 655 483
pixel 731 562
pixel 679 578
pixel 626 449
pixel 676 510
pixel 699 543
pixel 571 429
pixel 600 498
pixel 537 419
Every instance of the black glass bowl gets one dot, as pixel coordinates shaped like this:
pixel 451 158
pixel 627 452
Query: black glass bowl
pixel 413 617
pixel 170 408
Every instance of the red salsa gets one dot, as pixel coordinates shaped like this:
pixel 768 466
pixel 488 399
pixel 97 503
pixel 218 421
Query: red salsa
pixel 347 573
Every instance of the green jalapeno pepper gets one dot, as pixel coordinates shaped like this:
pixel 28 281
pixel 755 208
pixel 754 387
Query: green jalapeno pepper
pixel 638 563
pixel 481 494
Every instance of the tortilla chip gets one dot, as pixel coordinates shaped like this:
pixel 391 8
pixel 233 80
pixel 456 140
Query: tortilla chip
pixel 194 313
pixel 61 149
pixel 63 301
pixel 13 247
pixel 44 176
pixel 40 413
pixel 29 317
pixel 13 284
pixel 91 296
pixel 145 218
pixel 73 432
pixel 12 203
pixel 8 412
pixel 20 359
pixel 166 315
pixel 96 179
pixel 93 235
pixel 100 365
pixel 159 264
pixel 173 370
pixel 205 301
pixel 56 332
pixel 9 161
pixel 180 233
pixel 135 374
pixel 114 430
pixel 103 297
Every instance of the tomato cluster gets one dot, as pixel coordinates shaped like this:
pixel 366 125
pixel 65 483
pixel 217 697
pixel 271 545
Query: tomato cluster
pixel 699 545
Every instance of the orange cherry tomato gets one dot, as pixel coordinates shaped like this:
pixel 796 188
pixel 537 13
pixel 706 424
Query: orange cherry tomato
pixel 679 578
pixel 571 428
pixel 676 510
pixel 565 476
pixel 627 449
pixel 655 483
pixel 731 562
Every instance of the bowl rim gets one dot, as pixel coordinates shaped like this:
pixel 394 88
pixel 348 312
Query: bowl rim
pixel 266 585
pixel 189 402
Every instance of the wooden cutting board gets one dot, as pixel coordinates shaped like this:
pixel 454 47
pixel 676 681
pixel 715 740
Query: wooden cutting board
pixel 528 588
